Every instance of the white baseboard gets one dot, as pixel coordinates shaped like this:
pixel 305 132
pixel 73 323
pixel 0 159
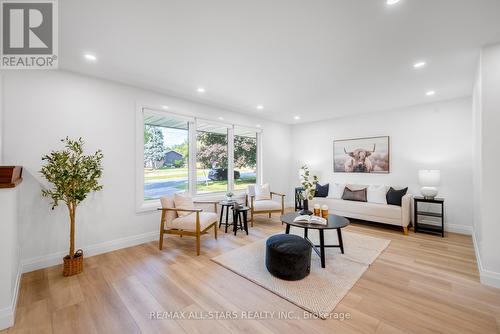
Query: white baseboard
pixel 8 314
pixel 461 229
pixel 90 250
pixel 486 277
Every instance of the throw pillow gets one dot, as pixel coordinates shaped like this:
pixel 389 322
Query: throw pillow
pixel 262 192
pixel 183 201
pixel 394 197
pixel 354 195
pixel 337 191
pixel 376 194
pixel 321 191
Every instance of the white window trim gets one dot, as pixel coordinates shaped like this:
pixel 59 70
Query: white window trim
pixel 144 206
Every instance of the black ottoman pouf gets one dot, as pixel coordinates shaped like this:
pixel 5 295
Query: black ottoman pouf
pixel 288 256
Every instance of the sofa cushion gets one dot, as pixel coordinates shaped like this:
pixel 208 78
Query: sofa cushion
pixel 266 205
pixel 188 222
pixel 262 192
pixel 361 210
pixel 321 191
pixel 183 201
pixel 376 194
pixel 354 195
pixel 168 202
pixel 337 191
pixel 394 196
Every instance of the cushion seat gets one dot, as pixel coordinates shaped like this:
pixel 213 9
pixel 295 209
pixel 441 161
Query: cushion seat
pixel 364 208
pixel 188 222
pixel 265 205
pixel 288 256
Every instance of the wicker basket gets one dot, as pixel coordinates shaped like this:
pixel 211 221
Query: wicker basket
pixel 73 266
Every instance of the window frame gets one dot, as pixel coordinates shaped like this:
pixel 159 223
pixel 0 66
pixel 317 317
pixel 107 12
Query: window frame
pixel 143 205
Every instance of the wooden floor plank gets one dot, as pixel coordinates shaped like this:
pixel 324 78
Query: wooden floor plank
pixel 419 284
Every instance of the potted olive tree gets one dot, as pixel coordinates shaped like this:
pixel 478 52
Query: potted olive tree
pixel 73 176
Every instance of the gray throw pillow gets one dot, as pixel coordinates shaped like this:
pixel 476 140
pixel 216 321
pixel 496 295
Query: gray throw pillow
pixel 354 195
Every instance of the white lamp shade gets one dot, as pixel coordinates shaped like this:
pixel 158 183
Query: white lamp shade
pixel 429 178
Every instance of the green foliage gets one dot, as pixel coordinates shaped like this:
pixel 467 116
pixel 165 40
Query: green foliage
pixel 154 151
pixel 182 149
pixel 245 152
pixel 308 183
pixel 72 174
pixel 212 151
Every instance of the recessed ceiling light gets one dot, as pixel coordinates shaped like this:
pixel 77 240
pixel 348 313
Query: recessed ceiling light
pixel 260 107
pixel 296 118
pixel 200 90
pixel 221 118
pixel 90 57
pixel 258 125
pixel 392 2
pixel 430 93
pixel 419 64
pixel 164 107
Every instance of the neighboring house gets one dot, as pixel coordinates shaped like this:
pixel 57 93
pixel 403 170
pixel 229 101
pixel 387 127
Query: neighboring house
pixel 171 157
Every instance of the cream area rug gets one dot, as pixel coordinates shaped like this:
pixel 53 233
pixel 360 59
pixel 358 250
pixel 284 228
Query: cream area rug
pixel 323 289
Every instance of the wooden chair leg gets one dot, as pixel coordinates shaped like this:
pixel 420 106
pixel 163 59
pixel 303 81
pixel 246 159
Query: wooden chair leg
pixel 197 244
pixel 269 214
pixel 215 231
pixel 251 218
pixel 405 230
pixel 162 228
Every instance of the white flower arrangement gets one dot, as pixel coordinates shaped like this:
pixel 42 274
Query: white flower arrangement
pixel 308 182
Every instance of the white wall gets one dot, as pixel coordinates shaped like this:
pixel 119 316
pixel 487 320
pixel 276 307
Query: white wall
pixel 432 136
pixel 42 107
pixel 486 176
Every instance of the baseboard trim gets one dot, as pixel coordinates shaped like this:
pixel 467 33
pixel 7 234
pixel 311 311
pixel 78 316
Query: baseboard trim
pixel 90 250
pixel 461 229
pixel 8 314
pixel 486 277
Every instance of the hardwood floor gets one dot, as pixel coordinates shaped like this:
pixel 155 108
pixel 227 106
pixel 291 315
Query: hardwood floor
pixel 420 284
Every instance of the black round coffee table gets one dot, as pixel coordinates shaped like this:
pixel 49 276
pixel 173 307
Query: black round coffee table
pixel 334 223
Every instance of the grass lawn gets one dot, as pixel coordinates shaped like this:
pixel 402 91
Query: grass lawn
pixel 165 174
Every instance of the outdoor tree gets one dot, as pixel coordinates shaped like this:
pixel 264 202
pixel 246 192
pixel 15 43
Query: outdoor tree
pixel 212 151
pixel 182 149
pixel 154 151
pixel 245 152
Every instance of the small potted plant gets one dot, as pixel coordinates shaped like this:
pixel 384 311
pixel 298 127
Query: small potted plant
pixel 229 196
pixel 309 185
pixel 73 176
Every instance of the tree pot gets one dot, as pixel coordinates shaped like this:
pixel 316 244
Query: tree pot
pixel 73 266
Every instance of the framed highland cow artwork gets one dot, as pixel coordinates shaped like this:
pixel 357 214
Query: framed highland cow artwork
pixel 361 155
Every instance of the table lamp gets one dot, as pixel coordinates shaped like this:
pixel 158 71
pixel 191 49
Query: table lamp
pixel 429 179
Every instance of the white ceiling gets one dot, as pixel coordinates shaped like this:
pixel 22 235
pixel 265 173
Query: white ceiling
pixel 317 58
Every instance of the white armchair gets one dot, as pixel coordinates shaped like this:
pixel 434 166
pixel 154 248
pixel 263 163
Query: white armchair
pixel 259 206
pixel 195 223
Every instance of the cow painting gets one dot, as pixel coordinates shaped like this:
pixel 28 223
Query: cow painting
pixel 363 155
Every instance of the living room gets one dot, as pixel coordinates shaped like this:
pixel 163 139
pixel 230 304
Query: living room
pixel 208 128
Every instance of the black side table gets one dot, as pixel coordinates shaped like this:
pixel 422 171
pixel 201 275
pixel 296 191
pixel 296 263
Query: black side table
pixel 419 213
pixel 225 205
pixel 240 216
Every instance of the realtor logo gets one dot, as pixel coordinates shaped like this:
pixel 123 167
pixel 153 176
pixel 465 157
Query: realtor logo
pixel 29 34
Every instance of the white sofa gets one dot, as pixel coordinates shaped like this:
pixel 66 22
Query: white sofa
pixel 375 212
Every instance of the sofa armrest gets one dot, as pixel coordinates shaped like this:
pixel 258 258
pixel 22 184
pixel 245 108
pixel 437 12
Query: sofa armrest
pixel 406 210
